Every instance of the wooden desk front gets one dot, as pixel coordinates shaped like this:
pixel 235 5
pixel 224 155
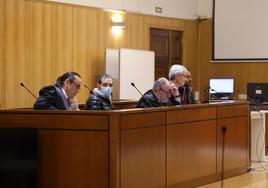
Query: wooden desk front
pixel 162 147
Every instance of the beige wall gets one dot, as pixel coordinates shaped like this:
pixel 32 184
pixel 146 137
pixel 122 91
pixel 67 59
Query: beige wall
pixel 186 9
pixel 242 72
pixel 41 40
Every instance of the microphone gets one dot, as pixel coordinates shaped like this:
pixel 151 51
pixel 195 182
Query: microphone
pixel 223 131
pixel 22 85
pixel 224 96
pixel 90 91
pixel 211 94
pixel 136 88
pixel 253 103
pixel 253 106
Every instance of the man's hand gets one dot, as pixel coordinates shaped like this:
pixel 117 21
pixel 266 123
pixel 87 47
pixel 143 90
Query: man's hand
pixel 174 90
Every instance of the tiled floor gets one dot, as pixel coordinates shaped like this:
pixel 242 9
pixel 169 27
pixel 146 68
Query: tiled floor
pixel 257 178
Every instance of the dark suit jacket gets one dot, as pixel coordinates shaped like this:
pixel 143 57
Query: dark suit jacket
pixel 51 98
pixel 97 102
pixel 150 100
pixel 187 95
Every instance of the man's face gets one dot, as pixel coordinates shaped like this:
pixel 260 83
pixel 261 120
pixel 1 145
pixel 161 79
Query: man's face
pixel 72 87
pixel 188 81
pixel 181 78
pixel 165 93
pixel 106 82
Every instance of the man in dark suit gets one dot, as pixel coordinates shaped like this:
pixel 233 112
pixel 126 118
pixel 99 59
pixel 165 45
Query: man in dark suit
pixel 158 96
pixel 57 97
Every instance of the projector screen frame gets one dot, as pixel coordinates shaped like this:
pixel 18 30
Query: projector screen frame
pixel 229 60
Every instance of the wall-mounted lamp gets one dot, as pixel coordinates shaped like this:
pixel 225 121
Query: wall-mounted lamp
pixel 117 24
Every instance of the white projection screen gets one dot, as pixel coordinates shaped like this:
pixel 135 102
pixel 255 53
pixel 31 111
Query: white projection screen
pixel 240 30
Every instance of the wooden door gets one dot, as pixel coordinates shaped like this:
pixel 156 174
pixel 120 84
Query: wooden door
pixel 167 45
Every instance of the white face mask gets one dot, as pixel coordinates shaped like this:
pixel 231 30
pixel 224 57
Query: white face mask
pixel 106 90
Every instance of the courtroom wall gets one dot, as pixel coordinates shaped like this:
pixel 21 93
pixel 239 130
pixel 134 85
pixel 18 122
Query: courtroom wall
pixel 41 40
pixel 186 9
pixel 2 56
pixel 242 72
pixel 205 8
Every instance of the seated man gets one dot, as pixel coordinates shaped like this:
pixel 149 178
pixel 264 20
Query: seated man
pixel 56 97
pixel 101 98
pixel 186 91
pixel 177 75
pixel 158 96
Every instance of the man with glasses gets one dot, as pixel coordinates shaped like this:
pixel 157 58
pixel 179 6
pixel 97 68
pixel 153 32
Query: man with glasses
pixel 101 96
pixel 60 95
pixel 178 76
pixel 158 96
pixel 186 91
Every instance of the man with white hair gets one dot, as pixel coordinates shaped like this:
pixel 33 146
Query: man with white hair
pixel 177 75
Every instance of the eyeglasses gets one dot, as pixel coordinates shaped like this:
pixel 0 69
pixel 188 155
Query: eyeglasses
pixel 107 84
pixel 78 86
pixel 166 92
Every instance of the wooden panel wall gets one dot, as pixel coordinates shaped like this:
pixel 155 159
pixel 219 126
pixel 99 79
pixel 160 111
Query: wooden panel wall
pixel 17 51
pixel 242 72
pixel 44 39
pixel 60 152
pixel 2 54
pixel 40 46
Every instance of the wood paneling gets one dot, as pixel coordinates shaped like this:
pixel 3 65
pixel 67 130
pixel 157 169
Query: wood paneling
pixel 114 151
pixel 229 111
pixel 242 72
pixel 190 56
pixel 82 19
pixel 235 150
pixel 62 40
pixel 17 52
pixel 100 28
pixel 191 151
pixel 2 53
pixel 143 158
pixel 131 121
pixel 190 115
pixel 40 47
pixel 62 149
pixel 97 122
pixel 45 39
pixel 89 149
pixel 136 29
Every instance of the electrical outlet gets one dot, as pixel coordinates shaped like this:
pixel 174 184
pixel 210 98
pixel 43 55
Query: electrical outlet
pixel 158 9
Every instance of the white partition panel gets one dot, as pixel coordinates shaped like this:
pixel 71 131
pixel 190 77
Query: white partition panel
pixel 112 68
pixel 136 66
pixel 112 62
pixel 126 66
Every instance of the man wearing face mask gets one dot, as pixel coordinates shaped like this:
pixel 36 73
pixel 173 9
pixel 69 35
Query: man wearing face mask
pixel 101 97
pixel 158 96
